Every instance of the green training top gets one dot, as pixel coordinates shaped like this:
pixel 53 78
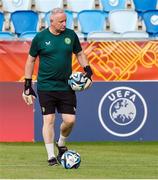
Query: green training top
pixel 55 54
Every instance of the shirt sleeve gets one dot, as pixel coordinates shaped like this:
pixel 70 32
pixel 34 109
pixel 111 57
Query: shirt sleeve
pixel 76 46
pixel 34 47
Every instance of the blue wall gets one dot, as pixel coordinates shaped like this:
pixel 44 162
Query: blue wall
pixel 112 111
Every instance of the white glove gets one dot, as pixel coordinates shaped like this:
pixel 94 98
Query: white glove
pixel 28 94
pixel 28 98
pixel 88 83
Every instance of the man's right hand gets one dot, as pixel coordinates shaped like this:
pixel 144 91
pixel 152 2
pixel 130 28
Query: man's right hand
pixel 28 94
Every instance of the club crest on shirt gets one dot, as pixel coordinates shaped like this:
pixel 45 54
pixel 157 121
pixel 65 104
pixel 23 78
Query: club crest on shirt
pixel 67 40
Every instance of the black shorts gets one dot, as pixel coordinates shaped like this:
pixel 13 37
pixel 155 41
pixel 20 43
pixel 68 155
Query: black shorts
pixel 62 101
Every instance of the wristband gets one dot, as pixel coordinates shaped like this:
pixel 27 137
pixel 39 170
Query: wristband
pixel 28 83
pixel 88 71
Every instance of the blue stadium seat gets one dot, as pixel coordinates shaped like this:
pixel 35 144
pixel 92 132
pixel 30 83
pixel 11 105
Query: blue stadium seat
pixel 109 5
pixel 24 21
pixel 144 5
pixel 92 20
pixel 9 6
pixel 69 21
pixel 7 36
pixel 1 20
pixel 123 20
pixel 151 22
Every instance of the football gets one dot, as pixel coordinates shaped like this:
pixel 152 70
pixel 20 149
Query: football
pixel 71 159
pixel 77 81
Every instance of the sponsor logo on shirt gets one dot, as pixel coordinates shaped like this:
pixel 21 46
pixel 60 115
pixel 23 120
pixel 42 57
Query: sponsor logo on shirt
pixel 47 43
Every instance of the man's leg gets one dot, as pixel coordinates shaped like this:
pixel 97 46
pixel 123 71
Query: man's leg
pixel 65 130
pixel 48 136
pixel 66 127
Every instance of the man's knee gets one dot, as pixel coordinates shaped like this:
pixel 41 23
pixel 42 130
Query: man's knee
pixel 69 120
pixel 48 120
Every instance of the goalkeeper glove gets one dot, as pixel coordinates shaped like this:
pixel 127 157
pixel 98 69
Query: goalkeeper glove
pixel 88 75
pixel 28 93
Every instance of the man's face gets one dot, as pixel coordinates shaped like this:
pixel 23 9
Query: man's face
pixel 58 22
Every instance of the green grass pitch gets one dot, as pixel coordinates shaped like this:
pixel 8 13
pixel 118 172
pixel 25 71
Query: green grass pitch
pixel 99 160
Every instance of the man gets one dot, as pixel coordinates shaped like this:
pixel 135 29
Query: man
pixel 55 46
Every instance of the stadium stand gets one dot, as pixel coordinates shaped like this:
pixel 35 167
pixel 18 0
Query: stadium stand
pixel 69 21
pixel 91 20
pixel 79 12
pixel 151 22
pixel 24 21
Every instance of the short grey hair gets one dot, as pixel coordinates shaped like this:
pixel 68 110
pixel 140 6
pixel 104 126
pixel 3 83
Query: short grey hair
pixel 57 10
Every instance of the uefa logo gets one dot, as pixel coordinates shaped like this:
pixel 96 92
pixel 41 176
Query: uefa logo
pixel 122 111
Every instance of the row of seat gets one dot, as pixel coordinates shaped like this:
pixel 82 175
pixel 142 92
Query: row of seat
pixel 121 21
pixel 43 6
pixel 78 5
